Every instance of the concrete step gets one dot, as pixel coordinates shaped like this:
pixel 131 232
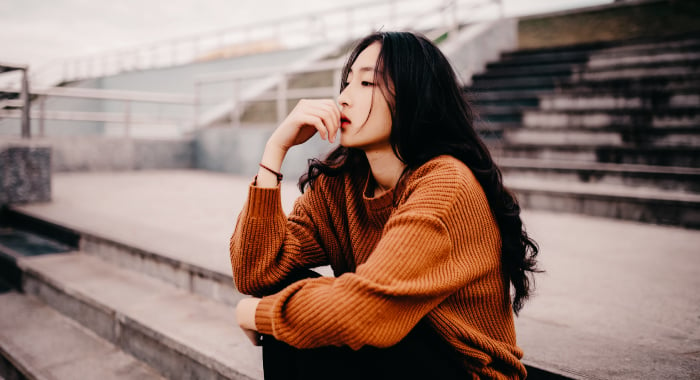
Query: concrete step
pixel 552 69
pixel 608 137
pixel 650 59
pixel 643 59
pixel 536 58
pixel 539 83
pixel 477 95
pixel 188 275
pixel 659 177
pixel 620 100
pixel 37 342
pixel 677 156
pixel 649 205
pixel 689 42
pixel 655 72
pixel 503 98
pixel 180 334
pixel 503 109
pixel 485 125
pixel 670 44
pixel 640 84
pixel 672 117
pixel 532 102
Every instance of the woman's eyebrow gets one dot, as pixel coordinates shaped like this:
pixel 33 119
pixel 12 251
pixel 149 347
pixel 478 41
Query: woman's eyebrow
pixel 365 68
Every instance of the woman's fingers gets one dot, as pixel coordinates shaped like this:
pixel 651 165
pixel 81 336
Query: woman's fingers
pixel 318 123
pixel 307 117
pixel 330 116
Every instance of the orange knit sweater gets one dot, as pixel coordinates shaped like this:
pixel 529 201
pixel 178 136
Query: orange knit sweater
pixel 429 250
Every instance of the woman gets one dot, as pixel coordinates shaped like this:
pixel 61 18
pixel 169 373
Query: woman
pixel 411 214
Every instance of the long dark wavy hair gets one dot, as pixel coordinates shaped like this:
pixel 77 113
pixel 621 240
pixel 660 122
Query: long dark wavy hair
pixel 431 117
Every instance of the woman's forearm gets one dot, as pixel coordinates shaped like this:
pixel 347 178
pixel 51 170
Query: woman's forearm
pixel 272 157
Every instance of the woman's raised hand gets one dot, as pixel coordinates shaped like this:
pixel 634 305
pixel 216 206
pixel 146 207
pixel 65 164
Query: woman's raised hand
pixel 308 117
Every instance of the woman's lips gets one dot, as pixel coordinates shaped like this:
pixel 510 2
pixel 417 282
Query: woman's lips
pixel 344 121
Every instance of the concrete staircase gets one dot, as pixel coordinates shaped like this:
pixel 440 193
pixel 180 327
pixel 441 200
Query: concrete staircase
pixel 606 129
pixel 110 310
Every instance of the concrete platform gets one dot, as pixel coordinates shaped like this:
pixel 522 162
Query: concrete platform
pixel 180 334
pixel 47 345
pixel 619 299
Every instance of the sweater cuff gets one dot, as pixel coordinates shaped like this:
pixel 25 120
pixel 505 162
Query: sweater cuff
pixel 263 315
pixel 263 202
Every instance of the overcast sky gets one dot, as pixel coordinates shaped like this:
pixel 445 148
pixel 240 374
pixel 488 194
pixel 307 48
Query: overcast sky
pixel 37 31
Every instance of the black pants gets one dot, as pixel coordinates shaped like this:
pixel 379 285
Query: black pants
pixel 422 354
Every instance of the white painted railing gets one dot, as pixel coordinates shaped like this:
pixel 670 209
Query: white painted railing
pixel 337 24
pixel 127 117
pixel 446 16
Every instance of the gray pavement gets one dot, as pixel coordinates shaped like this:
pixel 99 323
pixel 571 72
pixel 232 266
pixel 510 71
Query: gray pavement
pixel 618 300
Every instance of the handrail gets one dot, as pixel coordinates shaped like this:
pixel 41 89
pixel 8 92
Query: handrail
pixel 340 23
pixel 94 93
pixel 127 117
pixel 280 91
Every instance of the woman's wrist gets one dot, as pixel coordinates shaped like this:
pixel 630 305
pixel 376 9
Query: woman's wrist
pixel 272 159
pixel 245 313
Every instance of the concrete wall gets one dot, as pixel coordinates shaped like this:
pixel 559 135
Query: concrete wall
pixel 478 44
pixel 25 172
pixel 238 151
pixel 87 153
pixel 618 21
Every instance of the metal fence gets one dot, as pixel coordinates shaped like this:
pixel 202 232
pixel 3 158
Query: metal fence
pixel 440 17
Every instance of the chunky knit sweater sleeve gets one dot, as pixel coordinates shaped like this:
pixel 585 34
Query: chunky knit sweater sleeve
pixel 267 246
pixel 438 241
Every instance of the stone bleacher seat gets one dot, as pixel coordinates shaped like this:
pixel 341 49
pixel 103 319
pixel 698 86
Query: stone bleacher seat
pixel 607 129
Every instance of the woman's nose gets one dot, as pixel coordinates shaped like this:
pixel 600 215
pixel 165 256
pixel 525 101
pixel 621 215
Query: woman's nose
pixel 343 99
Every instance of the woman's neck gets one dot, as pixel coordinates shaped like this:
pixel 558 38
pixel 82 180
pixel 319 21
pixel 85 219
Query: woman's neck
pixel 386 168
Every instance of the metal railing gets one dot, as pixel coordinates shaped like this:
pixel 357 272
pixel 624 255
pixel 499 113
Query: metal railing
pixel 280 91
pixel 448 19
pixel 337 24
pixel 24 97
pixel 127 117
pixel 279 78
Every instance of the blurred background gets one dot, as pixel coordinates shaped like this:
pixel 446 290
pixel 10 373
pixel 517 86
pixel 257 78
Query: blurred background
pixel 130 131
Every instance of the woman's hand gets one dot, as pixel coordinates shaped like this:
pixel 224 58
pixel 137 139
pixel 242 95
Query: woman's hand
pixel 245 314
pixel 308 117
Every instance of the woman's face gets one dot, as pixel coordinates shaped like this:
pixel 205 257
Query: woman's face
pixel 366 118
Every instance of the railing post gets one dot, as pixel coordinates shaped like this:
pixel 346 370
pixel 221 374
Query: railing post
pixel 127 118
pixel 282 98
pixel 197 95
pixel 42 116
pixel 26 105
pixel 235 107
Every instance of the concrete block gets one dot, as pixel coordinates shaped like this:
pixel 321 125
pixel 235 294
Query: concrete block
pixel 25 173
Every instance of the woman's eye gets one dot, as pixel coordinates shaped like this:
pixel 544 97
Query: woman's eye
pixel 367 84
